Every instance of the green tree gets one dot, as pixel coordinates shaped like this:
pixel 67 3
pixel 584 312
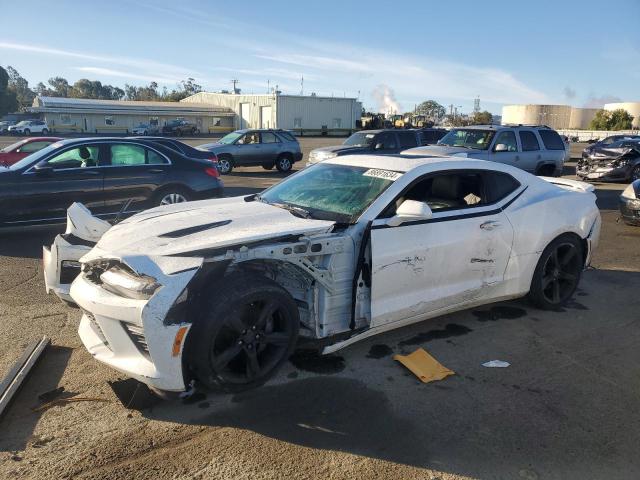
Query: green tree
pixel 431 109
pixel 8 101
pixel 20 87
pixel 615 120
pixel 481 118
pixel 600 120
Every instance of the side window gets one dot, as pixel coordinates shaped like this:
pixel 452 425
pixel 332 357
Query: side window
pixel 125 154
pixel 154 158
pixel 551 140
pixel 33 147
pixel 249 138
pixel 385 141
pixel 407 139
pixel 498 185
pixel 109 120
pixel 287 136
pixel 529 141
pixel 268 137
pixel 449 191
pixel 80 157
pixel 507 138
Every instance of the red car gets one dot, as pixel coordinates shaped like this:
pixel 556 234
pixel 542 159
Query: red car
pixel 11 154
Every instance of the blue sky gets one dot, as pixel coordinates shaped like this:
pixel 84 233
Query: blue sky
pixel 576 52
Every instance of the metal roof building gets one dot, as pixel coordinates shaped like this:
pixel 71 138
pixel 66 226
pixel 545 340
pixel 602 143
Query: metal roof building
pixel 121 116
pixel 300 113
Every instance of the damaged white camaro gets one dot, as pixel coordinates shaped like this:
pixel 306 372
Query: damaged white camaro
pixel 218 291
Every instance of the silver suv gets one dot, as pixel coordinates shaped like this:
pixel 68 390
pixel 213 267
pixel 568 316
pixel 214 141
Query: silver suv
pixel 536 149
pixel 264 147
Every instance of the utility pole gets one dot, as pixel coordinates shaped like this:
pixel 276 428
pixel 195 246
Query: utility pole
pixel 234 82
pixel 268 86
pixel 302 85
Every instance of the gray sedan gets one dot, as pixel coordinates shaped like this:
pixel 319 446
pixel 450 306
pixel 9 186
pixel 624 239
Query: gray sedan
pixel 267 148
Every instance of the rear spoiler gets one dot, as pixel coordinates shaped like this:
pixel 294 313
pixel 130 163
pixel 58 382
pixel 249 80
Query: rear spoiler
pixel 572 185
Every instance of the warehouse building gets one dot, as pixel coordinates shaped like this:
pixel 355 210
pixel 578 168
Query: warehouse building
pixel 302 114
pixel 116 116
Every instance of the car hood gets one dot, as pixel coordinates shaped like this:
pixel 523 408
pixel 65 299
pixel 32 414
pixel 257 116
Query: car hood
pixel 341 149
pixel 440 151
pixel 600 154
pixel 198 228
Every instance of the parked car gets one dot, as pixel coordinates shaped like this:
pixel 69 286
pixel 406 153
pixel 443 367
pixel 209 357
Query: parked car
pixel 182 148
pixel 535 149
pixel 607 141
pixel 567 148
pixel 264 147
pixel 430 136
pixel 145 129
pixel 4 126
pixel 616 162
pixel 104 174
pixel 367 142
pixel 218 292
pixel 630 204
pixel 179 127
pixel 17 151
pixel 27 127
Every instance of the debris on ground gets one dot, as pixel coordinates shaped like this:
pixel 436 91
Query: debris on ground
pixel 496 364
pixel 51 395
pixel 63 401
pixel 424 366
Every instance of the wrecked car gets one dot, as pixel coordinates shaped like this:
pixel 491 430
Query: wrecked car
pixel 218 292
pixel 630 204
pixel 616 162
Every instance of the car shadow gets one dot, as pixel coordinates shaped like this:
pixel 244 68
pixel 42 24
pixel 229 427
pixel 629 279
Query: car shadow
pixel 19 420
pixel 27 242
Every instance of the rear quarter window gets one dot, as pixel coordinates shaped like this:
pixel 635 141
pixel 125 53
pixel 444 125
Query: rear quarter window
pixel 498 185
pixel 287 136
pixel 551 140
pixel 407 139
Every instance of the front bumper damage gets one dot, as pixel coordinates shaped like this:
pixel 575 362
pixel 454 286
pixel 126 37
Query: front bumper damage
pixel 134 336
pixel 630 204
pixel 607 164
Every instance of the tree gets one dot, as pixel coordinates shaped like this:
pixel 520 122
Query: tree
pixel 615 120
pixel 8 102
pixel 20 87
pixel 431 109
pixel 85 88
pixel 481 118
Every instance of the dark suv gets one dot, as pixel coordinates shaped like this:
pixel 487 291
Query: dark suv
pixel 264 147
pixel 179 127
pixel 369 141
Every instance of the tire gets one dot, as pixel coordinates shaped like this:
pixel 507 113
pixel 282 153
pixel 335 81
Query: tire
pixel 284 163
pixel 172 195
pixel 248 329
pixel 635 173
pixel 225 165
pixel 546 170
pixel 26 131
pixel 268 166
pixel 45 131
pixel 558 273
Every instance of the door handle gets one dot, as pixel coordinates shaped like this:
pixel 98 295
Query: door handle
pixel 490 225
pixel 92 172
pixel 156 170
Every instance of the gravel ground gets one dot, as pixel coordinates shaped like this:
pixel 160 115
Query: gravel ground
pixel 566 408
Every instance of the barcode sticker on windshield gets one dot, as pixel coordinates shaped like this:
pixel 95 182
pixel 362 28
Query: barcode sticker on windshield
pixel 379 173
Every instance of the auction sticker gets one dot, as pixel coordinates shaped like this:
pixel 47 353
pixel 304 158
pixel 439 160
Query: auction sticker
pixel 379 173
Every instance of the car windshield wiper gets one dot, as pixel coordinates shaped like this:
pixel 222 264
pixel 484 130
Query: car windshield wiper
pixel 297 211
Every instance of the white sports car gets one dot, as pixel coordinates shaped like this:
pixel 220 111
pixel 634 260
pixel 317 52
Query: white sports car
pixel 219 291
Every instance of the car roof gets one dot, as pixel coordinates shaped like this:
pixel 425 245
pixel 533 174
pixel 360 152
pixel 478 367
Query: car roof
pixel 406 163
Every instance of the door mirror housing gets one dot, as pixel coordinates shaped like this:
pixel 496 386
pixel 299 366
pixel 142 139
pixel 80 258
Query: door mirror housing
pixel 501 147
pixel 379 146
pixel 410 211
pixel 43 169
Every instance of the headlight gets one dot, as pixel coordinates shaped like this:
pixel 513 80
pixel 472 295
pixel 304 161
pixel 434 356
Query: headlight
pixel 127 284
pixel 629 192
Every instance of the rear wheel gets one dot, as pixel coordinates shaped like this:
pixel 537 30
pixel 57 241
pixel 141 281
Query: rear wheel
pixel 546 171
pixel 558 272
pixel 45 131
pixel 26 131
pixel 284 163
pixel 268 166
pixel 173 195
pixel 249 329
pixel 635 173
pixel 225 165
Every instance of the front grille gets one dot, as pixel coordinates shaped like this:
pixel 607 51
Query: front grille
pixel 97 329
pixel 137 337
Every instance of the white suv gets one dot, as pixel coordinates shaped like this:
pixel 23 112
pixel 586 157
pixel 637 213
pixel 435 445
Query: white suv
pixel 27 127
pixel 536 149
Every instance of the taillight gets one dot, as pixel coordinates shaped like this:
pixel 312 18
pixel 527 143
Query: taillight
pixel 212 172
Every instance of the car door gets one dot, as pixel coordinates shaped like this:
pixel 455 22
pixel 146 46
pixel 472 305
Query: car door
pixel 247 149
pixel 271 147
pixel 530 156
pixel 75 174
pixel 457 256
pixel 134 173
pixel 505 149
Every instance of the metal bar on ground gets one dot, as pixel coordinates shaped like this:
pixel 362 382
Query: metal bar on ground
pixel 13 380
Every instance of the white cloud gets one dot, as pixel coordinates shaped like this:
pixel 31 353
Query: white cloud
pixel 108 72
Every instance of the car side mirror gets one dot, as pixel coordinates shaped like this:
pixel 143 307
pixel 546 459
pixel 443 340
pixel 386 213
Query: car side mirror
pixel 379 146
pixel 410 211
pixel 43 169
pixel 501 147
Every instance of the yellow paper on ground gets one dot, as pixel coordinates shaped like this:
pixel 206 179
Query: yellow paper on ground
pixel 424 366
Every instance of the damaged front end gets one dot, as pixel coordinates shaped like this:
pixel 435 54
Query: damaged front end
pixel 61 261
pixel 609 163
pixel 630 204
